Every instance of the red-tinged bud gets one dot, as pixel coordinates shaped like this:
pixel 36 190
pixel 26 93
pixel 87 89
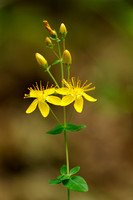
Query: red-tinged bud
pixel 51 31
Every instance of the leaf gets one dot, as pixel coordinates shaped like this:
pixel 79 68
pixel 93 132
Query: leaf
pixel 76 183
pixel 73 127
pixel 56 130
pixel 52 38
pixel 56 62
pixel 54 181
pixel 63 177
pixel 63 169
pixel 74 170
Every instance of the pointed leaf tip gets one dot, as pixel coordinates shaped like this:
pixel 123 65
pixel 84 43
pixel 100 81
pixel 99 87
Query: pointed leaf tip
pixel 73 127
pixel 54 181
pixel 76 183
pixel 74 170
pixel 63 169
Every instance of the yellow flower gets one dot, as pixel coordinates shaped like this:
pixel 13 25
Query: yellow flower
pixel 74 92
pixel 42 96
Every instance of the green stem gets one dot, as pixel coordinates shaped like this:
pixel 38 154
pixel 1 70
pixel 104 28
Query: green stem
pixel 66 148
pixel 53 78
pixel 64 44
pixel 55 116
pixel 68 69
pixel 62 73
pixel 68 191
pixel 71 115
pixel 64 116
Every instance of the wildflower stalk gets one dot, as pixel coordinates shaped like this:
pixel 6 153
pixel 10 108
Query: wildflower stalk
pixel 72 92
pixel 52 78
pixel 66 148
pixel 64 117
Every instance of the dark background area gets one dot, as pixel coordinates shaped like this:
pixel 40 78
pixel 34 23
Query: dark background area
pixel 100 39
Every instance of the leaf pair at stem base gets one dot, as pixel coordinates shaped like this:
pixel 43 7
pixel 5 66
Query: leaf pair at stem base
pixel 74 183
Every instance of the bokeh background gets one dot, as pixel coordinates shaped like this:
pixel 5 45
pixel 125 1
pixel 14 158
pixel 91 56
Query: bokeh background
pixel 100 39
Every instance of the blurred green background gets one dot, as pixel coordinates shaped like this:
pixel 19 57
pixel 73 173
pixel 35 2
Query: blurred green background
pixel 100 39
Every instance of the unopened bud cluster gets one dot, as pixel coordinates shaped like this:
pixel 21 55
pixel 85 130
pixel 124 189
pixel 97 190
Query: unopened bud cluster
pixel 66 56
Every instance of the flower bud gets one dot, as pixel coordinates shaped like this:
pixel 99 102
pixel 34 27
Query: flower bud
pixel 48 42
pixel 67 59
pixel 51 31
pixel 63 30
pixel 41 60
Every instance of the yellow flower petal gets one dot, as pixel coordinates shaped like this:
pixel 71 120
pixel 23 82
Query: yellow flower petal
pixel 89 98
pixel 78 105
pixel 54 100
pixel 44 108
pixel 49 91
pixel 32 106
pixel 32 94
pixel 63 91
pixel 67 100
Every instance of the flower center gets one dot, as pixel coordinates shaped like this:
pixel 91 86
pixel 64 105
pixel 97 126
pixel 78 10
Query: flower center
pixel 77 91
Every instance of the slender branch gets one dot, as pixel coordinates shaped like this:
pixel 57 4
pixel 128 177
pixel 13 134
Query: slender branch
pixel 64 44
pixel 68 69
pixel 62 73
pixel 53 78
pixel 71 115
pixel 55 116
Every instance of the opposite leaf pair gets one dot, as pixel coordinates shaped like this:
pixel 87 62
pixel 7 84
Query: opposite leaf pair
pixel 75 183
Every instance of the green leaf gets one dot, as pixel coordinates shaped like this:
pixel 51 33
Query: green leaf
pixel 56 62
pixel 56 130
pixel 63 177
pixel 63 169
pixel 52 38
pixel 73 127
pixel 74 170
pixel 76 183
pixel 54 181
